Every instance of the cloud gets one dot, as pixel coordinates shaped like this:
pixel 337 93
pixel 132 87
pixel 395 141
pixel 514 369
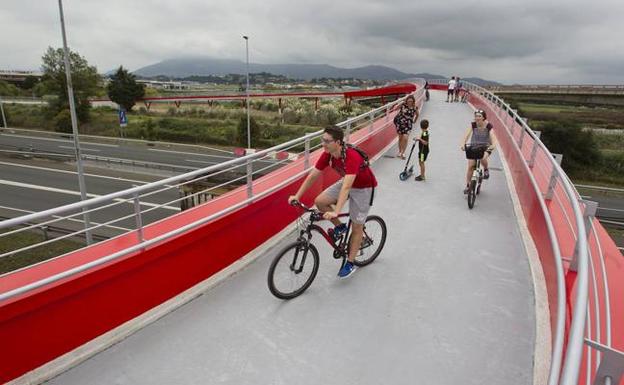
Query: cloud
pixel 512 41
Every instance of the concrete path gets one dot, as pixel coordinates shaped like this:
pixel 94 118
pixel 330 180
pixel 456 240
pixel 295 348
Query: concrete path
pixel 449 301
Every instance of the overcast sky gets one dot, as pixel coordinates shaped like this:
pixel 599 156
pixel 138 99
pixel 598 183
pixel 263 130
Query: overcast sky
pixel 530 41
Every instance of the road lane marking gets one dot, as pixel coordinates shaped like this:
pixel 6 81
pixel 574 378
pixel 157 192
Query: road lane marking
pixel 67 219
pixel 608 209
pixel 58 140
pixel 75 173
pixel 192 153
pixel 77 193
pixel 207 155
pixel 202 161
pixel 82 149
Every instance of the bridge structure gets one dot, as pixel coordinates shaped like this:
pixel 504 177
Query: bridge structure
pixel 573 89
pixel 18 76
pixel 526 288
pixel 384 93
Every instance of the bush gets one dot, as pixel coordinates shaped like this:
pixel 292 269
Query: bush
pixel 613 163
pixel 577 146
pixel 62 122
pixel 254 129
pixel 8 89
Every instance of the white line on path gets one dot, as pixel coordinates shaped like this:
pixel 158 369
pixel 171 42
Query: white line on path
pixel 76 193
pixel 68 219
pixel 75 173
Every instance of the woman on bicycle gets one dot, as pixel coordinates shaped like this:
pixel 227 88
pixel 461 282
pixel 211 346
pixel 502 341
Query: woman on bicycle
pixel 404 121
pixel 479 133
pixel 357 185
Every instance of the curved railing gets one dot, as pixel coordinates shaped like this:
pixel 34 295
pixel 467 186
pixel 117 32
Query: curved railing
pixel 252 166
pixel 103 292
pixel 566 255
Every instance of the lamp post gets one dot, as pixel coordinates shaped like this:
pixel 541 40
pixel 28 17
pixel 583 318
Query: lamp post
pixel 248 119
pixel 74 121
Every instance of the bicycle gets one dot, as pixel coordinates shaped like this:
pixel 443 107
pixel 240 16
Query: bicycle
pixel 475 152
pixel 295 266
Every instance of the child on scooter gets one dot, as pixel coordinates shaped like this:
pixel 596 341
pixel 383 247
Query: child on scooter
pixel 423 148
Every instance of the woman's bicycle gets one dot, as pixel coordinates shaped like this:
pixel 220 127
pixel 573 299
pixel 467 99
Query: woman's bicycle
pixel 475 152
pixel 295 266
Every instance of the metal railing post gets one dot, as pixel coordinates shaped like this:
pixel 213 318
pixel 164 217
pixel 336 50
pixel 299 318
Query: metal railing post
pixel 387 113
pixel 347 131
pixel 306 154
pixel 138 218
pixel 553 178
pixel 249 179
pixel 611 366
pixel 371 118
pixel 538 134
pixel 588 217
pixel 521 140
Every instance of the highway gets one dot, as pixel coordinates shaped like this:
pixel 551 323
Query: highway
pixel 31 181
pixel 179 159
pixel 33 186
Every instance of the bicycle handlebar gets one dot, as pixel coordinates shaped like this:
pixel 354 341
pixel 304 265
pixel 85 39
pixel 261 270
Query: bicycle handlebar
pixel 316 214
pixel 476 146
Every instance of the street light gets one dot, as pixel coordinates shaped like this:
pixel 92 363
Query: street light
pixel 248 125
pixel 74 121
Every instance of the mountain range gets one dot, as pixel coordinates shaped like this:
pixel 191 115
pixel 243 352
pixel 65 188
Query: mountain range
pixel 185 67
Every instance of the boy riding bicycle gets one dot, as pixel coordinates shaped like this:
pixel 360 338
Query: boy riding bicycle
pixel 357 185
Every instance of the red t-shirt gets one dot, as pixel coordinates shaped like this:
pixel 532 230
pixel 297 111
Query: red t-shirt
pixel 364 177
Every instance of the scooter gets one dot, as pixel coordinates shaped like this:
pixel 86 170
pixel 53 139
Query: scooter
pixel 406 173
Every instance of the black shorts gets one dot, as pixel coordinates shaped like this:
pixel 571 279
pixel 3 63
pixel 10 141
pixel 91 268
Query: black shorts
pixel 422 156
pixel 450 92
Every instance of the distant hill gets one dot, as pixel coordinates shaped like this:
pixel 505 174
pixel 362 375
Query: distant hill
pixel 482 82
pixel 182 68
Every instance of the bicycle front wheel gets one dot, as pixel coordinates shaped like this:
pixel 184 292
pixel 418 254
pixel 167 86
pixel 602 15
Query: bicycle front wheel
pixel 472 193
pixel 293 270
pixel 374 239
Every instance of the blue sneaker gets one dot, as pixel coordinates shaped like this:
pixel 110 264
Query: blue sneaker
pixel 346 271
pixel 337 231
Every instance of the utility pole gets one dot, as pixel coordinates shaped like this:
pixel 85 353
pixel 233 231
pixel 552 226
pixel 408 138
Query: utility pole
pixel 74 121
pixel 4 123
pixel 248 119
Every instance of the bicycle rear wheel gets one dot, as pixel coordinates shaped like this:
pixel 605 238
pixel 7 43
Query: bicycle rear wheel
pixel 472 193
pixel 293 270
pixel 374 239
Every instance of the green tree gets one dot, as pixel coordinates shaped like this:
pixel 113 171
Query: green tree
pixel 29 83
pixel 124 90
pixel 84 80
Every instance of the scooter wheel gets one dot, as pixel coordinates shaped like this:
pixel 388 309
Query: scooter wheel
pixel 403 176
